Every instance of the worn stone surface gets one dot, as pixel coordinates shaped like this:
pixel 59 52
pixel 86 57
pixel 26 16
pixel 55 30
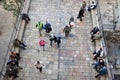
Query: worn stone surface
pixel 109 13
pixel 7 21
pixel 73 60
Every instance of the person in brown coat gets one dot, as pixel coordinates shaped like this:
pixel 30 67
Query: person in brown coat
pixel 67 30
pixel 14 55
pixel 84 5
pixel 20 44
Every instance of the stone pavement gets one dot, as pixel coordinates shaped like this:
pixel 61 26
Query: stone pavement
pixel 7 21
pixel 74 58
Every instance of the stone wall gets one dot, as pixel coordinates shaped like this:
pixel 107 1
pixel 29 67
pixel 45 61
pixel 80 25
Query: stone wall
pixel 113 36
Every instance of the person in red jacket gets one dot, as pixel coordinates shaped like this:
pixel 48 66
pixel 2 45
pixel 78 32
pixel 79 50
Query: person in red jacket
pixel 42 43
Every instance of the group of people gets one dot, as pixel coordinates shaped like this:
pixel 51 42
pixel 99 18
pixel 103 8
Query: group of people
pixel 46 26
pixel 13 62
pixel 53 37
pixel 83 9
pixel 99 65
pixel 13 67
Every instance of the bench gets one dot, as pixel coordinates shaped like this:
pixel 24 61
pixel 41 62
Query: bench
pixel 23 24
pixel 98 43
pixel 21 30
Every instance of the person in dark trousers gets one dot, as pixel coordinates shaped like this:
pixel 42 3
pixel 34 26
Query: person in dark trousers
pixel 67 30
pixel 15 55
pixel 52 38
pixel 38 65
pixel 40 27
pixel 80 15
pixel 98 64
pixel 94 30
pixel 18 43
pixel 71 22
pixel 10 72
pixel 25 17
pixel 58 40
pixel 98 54
pixel 102 71
pixel 48 27
pixel 95 33
pixel 42 43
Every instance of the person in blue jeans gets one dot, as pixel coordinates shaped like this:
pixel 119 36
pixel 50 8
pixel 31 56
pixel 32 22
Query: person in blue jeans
pixel 102 71
pixel 98 64
pixel 20 44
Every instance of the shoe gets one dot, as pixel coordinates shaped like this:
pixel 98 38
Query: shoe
pixel 16 76
pixel 96 76
pixel 93 40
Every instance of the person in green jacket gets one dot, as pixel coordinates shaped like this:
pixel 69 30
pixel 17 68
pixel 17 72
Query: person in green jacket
pixel 40 27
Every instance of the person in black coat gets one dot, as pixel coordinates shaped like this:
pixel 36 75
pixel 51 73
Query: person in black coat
pixel 25 17
pixel 80 15
pixel 48 27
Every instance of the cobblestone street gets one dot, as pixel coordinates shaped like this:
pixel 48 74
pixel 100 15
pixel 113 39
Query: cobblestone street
pixel 73 60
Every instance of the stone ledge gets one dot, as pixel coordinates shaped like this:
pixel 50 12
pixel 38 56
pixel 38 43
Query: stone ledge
pixel 98 43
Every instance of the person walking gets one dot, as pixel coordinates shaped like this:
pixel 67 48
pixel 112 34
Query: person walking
pixel 42 43
pixel 84 5
pixel 48 27
pixel 67 30
pixel 58 40
pixel 71 22
pixel 52 38
pixel 38 65
pixel 80 15
pixel 40 27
